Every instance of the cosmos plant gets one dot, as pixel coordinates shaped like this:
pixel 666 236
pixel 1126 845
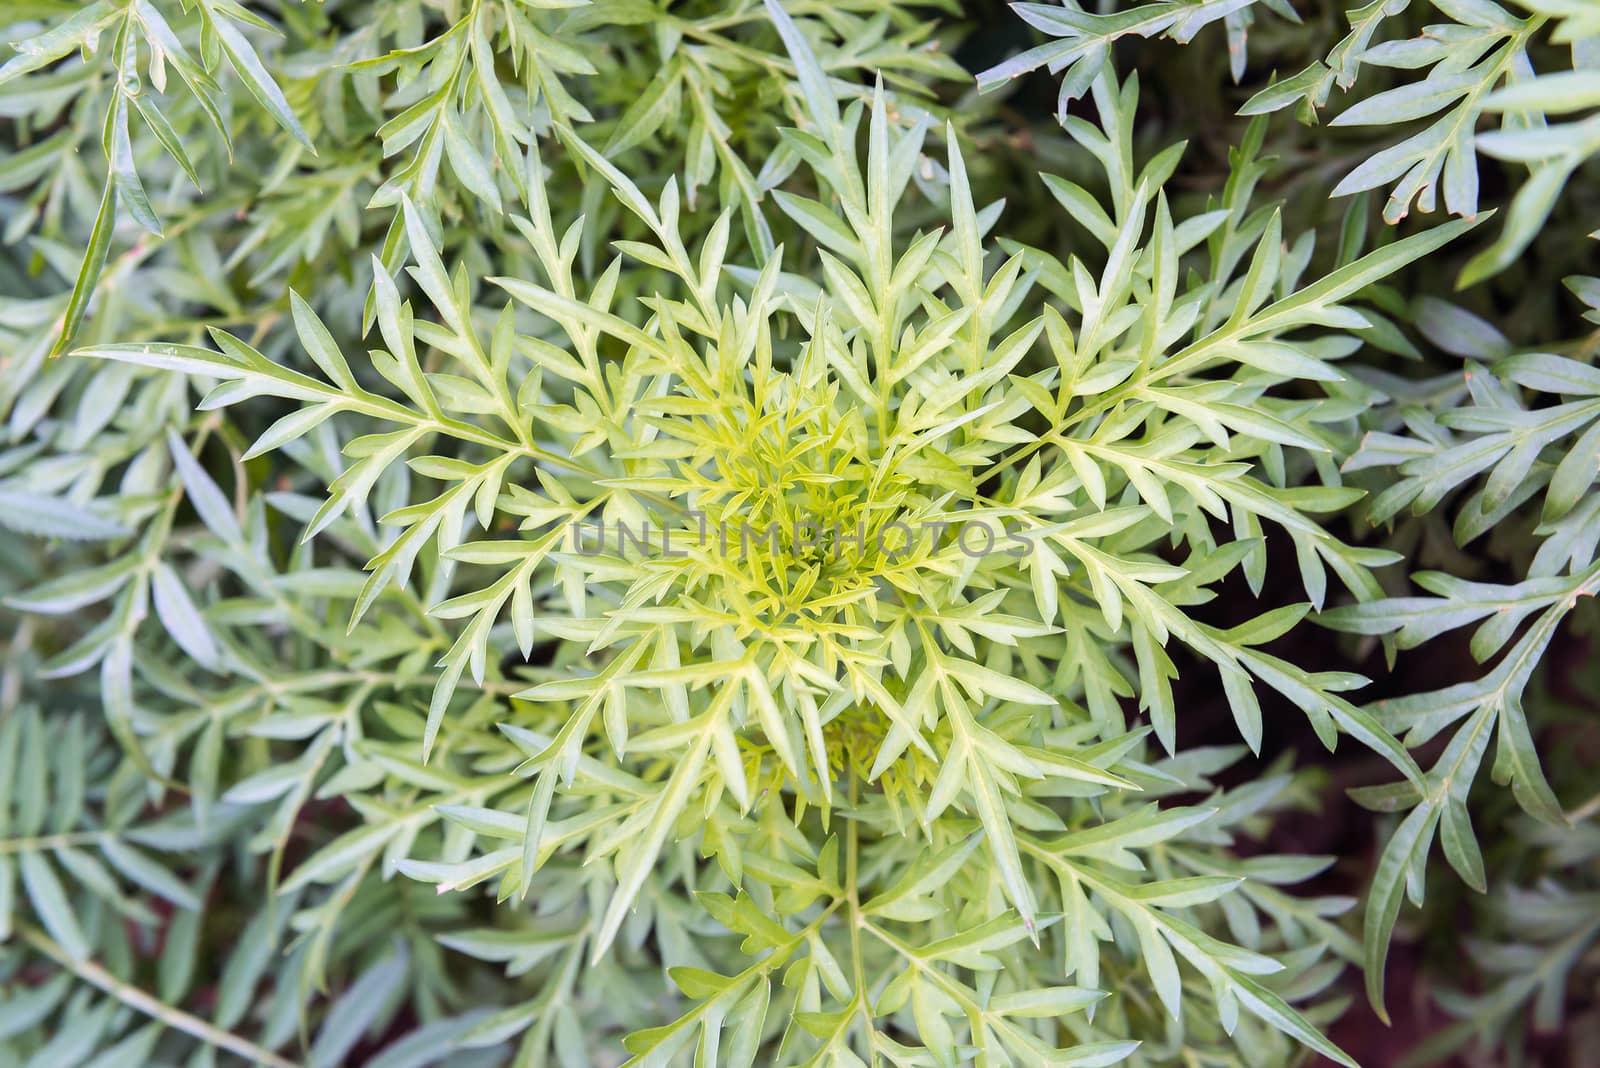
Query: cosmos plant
pixel 583 532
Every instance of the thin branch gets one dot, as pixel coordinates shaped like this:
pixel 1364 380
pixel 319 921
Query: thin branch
pixel 140 1001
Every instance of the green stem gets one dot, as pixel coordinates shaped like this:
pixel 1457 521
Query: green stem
pixel 140 1001
pixel 857 921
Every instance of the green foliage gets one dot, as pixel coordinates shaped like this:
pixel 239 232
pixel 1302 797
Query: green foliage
pixel 562 531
